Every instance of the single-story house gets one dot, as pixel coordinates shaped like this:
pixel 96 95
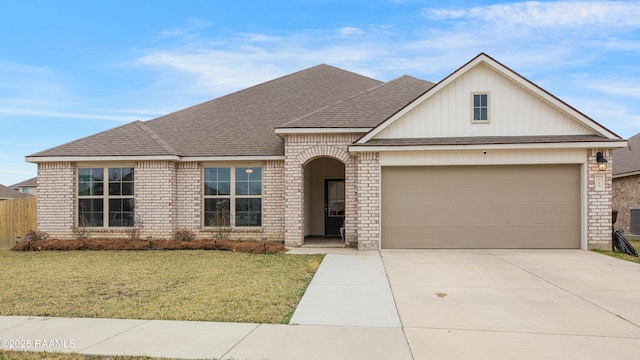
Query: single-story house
pixel 482 159
pixel 29 186
pixel 626 184
pixel 7 193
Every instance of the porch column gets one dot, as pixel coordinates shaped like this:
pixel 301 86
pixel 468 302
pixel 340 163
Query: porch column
pixel 293 201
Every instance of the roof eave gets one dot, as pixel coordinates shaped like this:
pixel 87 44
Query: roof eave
pixel 286 131
pixel 47 159
pixel 561 145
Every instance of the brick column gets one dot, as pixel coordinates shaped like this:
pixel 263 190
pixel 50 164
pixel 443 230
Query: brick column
pixel 293 203
pixel 155 193
pixel 598 203
pixel 57 198
pixel 368 201
pixel 351 201
pixel 189 196
pixel 273 204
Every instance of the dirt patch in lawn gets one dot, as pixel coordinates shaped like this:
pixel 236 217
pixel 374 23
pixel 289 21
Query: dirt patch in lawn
pixel 244 246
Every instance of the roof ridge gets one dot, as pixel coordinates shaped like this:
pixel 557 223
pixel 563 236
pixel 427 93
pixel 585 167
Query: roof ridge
pixel 362 93
pixel 265 83
pixel 153 135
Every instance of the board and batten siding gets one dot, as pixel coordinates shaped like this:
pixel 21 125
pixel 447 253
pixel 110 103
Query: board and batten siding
pixel 513 111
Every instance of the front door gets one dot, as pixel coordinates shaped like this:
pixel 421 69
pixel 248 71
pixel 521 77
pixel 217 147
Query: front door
pixel 333 206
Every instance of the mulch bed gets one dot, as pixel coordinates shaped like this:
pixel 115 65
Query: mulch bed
pixel 244 246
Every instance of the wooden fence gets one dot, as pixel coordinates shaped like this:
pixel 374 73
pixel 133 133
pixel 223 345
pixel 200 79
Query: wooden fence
pixel 17 216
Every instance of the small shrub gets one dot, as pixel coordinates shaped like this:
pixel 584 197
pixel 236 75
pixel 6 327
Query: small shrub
pixel 36 235
pixel 82 230
pixel 221 220
pixel 183 235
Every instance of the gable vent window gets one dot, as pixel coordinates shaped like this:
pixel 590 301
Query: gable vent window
pixel 480 108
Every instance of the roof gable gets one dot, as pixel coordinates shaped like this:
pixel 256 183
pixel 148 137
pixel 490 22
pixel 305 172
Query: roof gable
pixel 517 107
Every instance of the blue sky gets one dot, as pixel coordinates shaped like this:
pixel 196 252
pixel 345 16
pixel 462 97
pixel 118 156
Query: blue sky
pixel 69 69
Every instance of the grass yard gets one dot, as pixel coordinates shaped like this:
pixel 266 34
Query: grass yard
pixel 26 355
pixel 634 243
pixel 167 285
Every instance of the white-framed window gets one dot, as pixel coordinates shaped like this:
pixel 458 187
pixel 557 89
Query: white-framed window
pixel 480 107
pixel 233 193
pixel 105 201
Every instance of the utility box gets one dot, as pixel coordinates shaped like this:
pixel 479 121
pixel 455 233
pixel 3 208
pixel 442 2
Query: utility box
pixel 634 221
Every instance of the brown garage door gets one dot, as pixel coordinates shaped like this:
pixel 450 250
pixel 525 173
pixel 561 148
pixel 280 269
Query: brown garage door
pixel 481 207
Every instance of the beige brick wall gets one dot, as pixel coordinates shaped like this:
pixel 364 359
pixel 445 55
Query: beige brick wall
pixel 273 213
pixel 301 149
pixel 368 186
pixel 598 203
pixel 626 196
pixel 155 194
pixel 189 196
pixel 56 199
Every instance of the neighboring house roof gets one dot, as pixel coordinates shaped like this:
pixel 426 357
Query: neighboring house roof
pixel 33 182
pixel 626 161
pixel 6 193
pixel 239 124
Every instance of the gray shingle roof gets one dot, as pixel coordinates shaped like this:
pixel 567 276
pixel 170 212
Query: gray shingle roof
pixel 368 109
pixel 238 124
pixel 627 160
pixel 6 193
pixel 29 182
pixel 131 139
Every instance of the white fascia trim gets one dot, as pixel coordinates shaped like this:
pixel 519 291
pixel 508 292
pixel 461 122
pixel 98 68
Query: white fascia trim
pixel 633 173
pixel 232 158
pixel 43 159
pixel 321 130
pixel 583 145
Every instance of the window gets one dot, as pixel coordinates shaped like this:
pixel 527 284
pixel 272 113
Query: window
pixel 480 107
pixel 237 191
pixel 99 208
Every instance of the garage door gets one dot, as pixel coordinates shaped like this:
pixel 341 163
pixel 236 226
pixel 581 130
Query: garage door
pixel 481 207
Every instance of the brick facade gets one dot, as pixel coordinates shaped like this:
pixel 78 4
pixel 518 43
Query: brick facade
pixel 169 195
pixel 155 194
pixel 273 205
pixel 188 195
pixel 368 201
pixel 626 196
pixel 598 203
pixel 56 198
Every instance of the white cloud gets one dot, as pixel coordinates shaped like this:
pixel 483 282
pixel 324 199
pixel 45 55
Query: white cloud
pixel 536 14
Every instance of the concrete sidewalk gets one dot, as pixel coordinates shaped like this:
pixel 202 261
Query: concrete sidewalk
pixel 348 312
pixel 200 340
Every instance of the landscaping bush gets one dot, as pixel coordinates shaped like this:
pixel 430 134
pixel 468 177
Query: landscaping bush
pixel 183 235
pixel 36 235
pixel 244 246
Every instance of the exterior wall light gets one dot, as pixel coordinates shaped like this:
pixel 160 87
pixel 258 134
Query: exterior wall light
pixel 602 162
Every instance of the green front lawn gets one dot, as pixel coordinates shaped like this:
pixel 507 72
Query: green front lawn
pixel 169 285
pixel 634 243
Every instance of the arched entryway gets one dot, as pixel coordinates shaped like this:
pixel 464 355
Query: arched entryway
pixel 324 200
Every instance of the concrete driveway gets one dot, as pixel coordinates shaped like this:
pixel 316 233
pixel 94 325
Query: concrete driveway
pixel 516 304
